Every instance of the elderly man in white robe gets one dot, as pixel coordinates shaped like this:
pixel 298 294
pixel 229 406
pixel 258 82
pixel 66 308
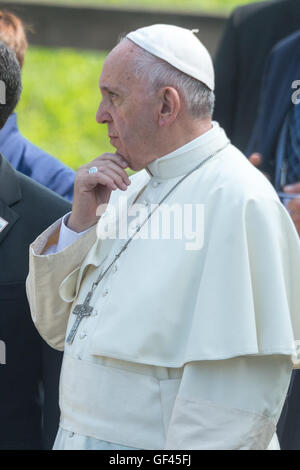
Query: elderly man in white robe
pixel 168 344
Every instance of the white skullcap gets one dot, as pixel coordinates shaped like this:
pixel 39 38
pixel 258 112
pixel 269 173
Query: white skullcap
pixel 179 47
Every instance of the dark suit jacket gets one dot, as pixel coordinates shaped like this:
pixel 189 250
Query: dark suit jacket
pixel 29 411
pixel 250 34
pixel 34 162
pixel 282 69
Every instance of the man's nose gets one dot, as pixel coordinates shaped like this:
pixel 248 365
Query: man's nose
pixel 103 116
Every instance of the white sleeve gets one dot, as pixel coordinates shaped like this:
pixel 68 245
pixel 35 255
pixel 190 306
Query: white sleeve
pixel 229 404
pixel 66 237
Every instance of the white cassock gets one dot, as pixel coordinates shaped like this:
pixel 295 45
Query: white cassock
pixel 185 348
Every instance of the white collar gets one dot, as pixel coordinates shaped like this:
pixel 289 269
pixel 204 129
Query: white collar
pixel 185 158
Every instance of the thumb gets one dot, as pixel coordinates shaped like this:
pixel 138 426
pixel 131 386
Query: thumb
pixel 255 159
pixel 292 188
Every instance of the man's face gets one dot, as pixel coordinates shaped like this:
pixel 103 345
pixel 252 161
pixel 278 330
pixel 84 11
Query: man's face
pixel 128 108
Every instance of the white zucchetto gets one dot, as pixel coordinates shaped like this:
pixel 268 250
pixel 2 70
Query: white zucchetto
pixel 179 47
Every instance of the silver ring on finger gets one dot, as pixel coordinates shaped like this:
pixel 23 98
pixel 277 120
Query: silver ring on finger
pixel 92 170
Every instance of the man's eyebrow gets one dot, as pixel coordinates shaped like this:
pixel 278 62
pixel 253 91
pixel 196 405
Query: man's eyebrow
pixel 109 89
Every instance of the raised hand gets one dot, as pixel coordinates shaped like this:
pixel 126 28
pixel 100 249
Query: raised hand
pixel 94 189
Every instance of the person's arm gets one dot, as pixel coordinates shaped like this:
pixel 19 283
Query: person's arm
pixel 226 77
pixel 66 238
pixel 46 272
pixel 63 182
pixel 48 170
pixel 255 143
pixel 294 205
pixel 229 404
pixel 49 311
pixel 49 265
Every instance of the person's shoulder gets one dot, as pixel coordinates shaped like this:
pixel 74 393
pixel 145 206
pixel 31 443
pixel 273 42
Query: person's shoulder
pixel 35 162
pixel 249 12
pixel 37 157
pixel 34 159
pixel 239 179
pixel 40 200
pixel 290 43
pixel 282 60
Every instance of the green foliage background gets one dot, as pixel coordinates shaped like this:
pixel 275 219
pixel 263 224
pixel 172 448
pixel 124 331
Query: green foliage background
pixel 60 91
pixel 183 5
pixel 59 101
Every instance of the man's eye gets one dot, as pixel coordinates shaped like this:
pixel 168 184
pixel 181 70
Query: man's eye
pixel 112 95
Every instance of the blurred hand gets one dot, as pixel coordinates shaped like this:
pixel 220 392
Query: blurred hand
pixel 292 188
pixel 255 159
pixel 92 190
pixel 294 205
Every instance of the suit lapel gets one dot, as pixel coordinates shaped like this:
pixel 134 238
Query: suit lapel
pixel 10 194
pixel 9 216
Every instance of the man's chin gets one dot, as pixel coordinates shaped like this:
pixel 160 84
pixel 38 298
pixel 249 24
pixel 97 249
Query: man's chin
pixel 134 166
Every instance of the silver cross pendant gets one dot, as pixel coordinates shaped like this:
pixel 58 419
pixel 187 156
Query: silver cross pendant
pixel 81 310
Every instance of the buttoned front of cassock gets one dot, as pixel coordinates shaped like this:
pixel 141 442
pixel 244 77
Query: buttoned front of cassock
pixel 176 353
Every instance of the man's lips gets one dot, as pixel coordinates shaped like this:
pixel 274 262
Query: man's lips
pixel 113 139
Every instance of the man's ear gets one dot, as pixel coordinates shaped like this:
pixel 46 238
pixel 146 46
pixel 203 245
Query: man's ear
pixel 170 104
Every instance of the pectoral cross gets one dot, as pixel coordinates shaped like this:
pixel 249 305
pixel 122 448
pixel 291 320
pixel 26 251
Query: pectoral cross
pixel 81 310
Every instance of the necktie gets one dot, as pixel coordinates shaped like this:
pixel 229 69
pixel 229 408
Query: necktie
pixel 293 146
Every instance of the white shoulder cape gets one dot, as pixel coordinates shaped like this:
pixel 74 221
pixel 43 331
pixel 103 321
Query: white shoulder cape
pixel 238 295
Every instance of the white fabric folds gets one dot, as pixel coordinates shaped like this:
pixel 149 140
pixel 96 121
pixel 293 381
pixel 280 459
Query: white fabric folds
pixel 237 295
pixel 121 406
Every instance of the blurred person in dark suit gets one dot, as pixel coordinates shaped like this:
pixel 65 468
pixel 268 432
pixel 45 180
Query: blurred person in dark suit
pixel 279 115
pixel 29 376
pixel 275 148
pixel 22 154
pixel 250 33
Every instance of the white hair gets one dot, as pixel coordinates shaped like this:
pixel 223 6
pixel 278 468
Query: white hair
pixel 198 97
